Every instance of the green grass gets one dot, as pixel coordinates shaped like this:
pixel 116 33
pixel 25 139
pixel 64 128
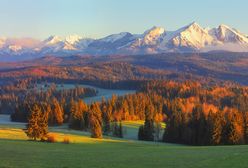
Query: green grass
pixel 17 152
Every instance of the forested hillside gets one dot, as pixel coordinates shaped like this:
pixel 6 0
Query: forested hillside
pixel 194 114
pixel 204 67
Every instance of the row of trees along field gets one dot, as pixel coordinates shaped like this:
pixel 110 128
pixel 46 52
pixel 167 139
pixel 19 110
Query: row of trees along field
pixel 82 116
pixel 199 115
pixel 14 94
pixel 11 93
pixel 194 114
pixel 54 98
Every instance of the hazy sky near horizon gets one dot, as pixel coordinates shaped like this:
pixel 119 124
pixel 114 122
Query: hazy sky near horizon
pixel 98 18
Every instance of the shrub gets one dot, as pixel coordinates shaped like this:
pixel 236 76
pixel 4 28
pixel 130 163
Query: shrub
pixel 66 140
pixel 51 138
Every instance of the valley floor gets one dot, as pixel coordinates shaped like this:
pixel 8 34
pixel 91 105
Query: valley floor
pixel 83 151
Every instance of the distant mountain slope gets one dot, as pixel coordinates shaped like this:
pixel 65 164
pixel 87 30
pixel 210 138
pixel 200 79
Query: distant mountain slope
pixel 206 67
pixel 190 38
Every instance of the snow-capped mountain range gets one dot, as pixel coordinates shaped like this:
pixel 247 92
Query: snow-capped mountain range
pixel 190 38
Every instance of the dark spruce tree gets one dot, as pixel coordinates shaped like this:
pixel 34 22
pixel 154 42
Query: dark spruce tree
pixel 147 131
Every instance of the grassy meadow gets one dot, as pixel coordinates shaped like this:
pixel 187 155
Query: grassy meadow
pixel 16 151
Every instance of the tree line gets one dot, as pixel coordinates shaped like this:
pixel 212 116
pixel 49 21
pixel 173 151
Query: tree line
pixel 194 114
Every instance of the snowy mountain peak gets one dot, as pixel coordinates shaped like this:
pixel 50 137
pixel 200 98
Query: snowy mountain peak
pixel 153 35
pixel 72 39
pixel 190 38
pixel 195 27
pixel 225 34
pixel 193 24
pixel 53 40
pixel 224 26
pixel 15 48
pixel 223 29
pixel 155 31
pixel 114 37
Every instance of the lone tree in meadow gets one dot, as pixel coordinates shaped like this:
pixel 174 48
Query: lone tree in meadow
pixel 37 127
pixel 95 118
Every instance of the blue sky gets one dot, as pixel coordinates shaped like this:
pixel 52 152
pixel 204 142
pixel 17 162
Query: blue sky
pixel 97 18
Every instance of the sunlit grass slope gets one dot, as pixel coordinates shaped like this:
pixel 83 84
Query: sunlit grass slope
pixel 117 154
pixel 74 136
pixel 17 152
